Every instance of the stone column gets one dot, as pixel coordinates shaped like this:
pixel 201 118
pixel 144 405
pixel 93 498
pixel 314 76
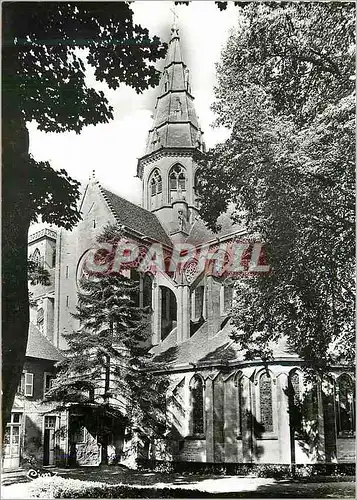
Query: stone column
pixel 204 301
pixel 321 454
pixel 221 301
pixel 248 440
pixel 193 305
pixel 156 316
pixel 213 305
pixel 183 313
pixel 48 317
pixel 209 421
pixel 284 435
pixel 218 419
pixel 231 420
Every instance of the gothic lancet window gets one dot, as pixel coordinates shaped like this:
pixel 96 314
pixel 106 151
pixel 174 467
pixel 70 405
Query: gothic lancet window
pixel 240 404
pixel 296 395
pixel 40 319
pixel 195 189
pixel 266 403
pixel 166 81
pixel 345 406
pixel 36 257
pixel 155 189
pixel 197 407
pixel 177 183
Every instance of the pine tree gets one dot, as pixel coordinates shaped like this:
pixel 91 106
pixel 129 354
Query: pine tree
pixel 104 369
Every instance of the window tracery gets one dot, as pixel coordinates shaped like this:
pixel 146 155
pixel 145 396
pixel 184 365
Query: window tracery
pixel 177 183
pixel 197 407
pixel 155 189
pixel 345 407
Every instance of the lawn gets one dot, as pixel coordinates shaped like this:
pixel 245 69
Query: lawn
pixel 155 485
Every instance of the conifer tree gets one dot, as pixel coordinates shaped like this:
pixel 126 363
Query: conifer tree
pixel 104 369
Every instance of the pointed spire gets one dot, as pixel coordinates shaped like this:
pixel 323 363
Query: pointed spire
pixel 175 123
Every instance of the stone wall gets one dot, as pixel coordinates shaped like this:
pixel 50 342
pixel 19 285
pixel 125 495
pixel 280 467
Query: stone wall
pixel 346 450
pixel 234 432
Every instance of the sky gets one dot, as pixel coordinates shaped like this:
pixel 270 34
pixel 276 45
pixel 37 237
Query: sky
pixel 112 149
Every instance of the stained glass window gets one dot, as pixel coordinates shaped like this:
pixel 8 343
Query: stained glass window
pixel 345 395
pixel 266 403
pixel 197 405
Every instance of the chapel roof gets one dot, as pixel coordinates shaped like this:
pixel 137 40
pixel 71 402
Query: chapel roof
pixel 200 233
pixel 204 348
pixel 38 346
pixel 136 218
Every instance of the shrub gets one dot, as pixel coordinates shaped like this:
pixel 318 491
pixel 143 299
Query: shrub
pixel 59 487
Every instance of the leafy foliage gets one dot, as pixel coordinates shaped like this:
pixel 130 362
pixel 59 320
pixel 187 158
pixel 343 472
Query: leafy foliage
pixel 44 79
pixel 286 93
pixel 107 355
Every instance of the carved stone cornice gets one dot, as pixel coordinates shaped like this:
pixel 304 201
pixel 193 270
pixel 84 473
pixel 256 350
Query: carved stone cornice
pixel 162 153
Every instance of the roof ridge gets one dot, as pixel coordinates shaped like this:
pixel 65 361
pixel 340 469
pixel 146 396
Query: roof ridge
pixel 118 195
pixel 35 333
pixel 140 211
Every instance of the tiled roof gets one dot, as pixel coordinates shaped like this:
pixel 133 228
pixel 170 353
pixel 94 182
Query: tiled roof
pixel 200 233
pixel 39 347
pixel 200 347
pixel 134 217
pixel 203 348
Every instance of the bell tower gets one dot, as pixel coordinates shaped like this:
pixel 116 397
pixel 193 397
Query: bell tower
pixel 168 167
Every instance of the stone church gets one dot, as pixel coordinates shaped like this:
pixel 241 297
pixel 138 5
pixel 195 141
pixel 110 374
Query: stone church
pixel 221 408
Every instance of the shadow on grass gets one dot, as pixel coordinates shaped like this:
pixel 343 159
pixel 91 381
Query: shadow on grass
pixel 218 486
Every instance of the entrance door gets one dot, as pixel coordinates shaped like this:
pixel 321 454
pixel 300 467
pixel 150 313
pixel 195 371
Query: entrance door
pixel 49 441
pixel 12 442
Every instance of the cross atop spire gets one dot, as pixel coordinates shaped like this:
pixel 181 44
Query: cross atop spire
pixel 175 123
pixel 174 28
pixel 173 10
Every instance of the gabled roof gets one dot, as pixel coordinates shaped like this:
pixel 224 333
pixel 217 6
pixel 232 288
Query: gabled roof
pixel 39 347
pixel 136 218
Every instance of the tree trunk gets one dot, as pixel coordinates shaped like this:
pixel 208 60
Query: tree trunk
pixel 16 217
pixel 104 458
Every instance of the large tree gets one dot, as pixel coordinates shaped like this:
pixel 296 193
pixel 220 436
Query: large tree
pixel 286 92
pixel 104 366
pixel 43 79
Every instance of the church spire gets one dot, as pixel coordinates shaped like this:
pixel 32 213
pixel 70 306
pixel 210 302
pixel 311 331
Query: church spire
pixel 175 123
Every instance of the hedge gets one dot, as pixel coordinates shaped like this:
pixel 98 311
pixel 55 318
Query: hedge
pixel 277 471
pixel 59 487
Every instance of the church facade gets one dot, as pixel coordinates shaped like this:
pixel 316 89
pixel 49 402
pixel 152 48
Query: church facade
pixel 221 408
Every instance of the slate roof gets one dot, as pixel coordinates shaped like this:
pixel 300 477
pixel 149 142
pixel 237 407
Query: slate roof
pixel 134 217
pixel 175 123
pixel 202 348
pixel 39 347
pixel 200 233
